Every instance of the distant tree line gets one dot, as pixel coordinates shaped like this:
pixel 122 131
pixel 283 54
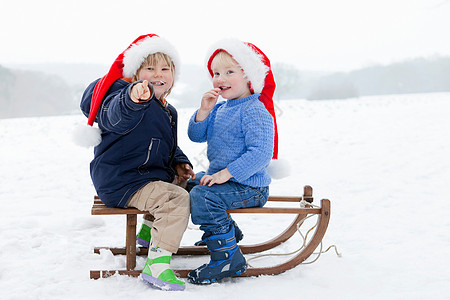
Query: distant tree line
pixel 420 75
pixel 57 89
pixel 25 94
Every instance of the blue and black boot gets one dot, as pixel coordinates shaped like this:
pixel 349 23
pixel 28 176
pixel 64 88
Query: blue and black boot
pixel 237 234
pixel 226 259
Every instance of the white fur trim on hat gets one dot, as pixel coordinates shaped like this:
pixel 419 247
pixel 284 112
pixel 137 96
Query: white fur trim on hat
pixel 279 169
pixel 136 54
pixel 87 136
pixel 251 62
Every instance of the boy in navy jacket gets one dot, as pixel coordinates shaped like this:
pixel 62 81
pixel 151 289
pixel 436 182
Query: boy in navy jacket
pixel 138 158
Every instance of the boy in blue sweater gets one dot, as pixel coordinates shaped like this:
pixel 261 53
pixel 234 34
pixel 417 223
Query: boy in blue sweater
pixel 242 140
pixel 137 157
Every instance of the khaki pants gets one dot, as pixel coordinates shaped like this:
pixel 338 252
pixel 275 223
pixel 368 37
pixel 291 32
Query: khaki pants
pixel 170 206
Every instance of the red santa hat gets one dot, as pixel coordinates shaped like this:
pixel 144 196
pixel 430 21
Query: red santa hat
pixel 256 67
pixel 125 66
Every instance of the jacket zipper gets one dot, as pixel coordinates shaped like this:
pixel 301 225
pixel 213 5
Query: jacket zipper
pixel 148 156
pixel 148 152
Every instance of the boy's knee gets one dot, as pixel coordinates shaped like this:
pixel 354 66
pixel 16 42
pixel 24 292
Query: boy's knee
pixel 196 192
pixel 180 196
pixel 197 199
pixel 185 198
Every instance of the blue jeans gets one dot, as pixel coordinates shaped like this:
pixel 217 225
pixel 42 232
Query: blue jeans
pixel 209 203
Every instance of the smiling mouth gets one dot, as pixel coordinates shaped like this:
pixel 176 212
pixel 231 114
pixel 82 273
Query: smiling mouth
pixel 223 88
pixel 160 82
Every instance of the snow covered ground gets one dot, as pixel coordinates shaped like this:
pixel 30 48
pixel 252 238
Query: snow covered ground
pixel 382 161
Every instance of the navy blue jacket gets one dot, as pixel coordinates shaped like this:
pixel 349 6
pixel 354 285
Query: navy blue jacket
pixel 139 143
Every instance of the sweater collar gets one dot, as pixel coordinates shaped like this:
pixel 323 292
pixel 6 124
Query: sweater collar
pixel 235 102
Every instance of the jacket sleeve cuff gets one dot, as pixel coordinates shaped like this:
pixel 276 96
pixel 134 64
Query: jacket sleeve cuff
pixel 197 130
pixel 238 173
pixel 141 104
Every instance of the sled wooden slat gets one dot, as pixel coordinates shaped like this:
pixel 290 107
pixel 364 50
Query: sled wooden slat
pixel 130 250
pixel 274 210
pixel 99 208
pixel 104 210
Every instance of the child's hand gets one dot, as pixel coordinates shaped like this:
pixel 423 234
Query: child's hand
pixel 217 178
pixel 140 92
pixel 184 172
pixel 209 99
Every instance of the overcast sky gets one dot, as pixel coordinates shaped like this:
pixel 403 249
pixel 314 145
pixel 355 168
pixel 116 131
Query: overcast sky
pixel 310 34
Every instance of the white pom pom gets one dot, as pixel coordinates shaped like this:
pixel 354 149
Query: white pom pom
pixel 87 136
pixel 279 168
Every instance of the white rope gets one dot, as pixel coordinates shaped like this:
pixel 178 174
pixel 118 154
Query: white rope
pixel 303 204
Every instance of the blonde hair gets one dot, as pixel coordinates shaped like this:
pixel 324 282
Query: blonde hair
pixel 152 59
pixel 223 58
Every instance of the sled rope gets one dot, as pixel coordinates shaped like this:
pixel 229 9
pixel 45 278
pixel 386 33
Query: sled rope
pixel 303 204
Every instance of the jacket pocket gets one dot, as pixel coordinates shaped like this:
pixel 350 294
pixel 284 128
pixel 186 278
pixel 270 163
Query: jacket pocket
pixel 152 151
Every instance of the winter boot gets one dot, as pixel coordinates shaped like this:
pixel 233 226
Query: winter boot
pixel 158 273
pixel 237 234
pixel 144 236
pixel 226 259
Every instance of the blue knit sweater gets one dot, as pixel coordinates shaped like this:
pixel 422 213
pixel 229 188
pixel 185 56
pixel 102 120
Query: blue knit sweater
pixel 240 136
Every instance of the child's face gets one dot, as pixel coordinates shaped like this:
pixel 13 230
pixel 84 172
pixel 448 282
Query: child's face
pixel 159 75
pixel 229 77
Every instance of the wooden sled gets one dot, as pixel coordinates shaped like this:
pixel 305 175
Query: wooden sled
pixel 131 250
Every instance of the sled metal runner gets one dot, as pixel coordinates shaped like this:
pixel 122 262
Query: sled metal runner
pixel 131 250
